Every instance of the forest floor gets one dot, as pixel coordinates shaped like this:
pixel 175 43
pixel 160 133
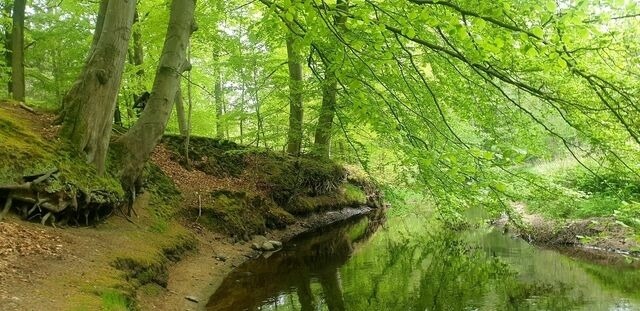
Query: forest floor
pixel 143 262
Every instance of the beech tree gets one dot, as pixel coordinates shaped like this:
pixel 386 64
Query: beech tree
pixel 136 145
pixel 89 106
pixel 7 8
pixel 17 51
pixel 447 93
pixel 324 128
pixel 296 112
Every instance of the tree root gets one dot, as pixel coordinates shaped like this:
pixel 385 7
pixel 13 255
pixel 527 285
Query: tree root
pixel 7 206
pixel 60 207
pixel 27 108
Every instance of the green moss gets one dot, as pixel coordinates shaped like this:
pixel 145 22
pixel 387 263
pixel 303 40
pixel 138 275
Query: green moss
pixel 140 272
pixel 152 268
pixel 113 300
pixel 233 213
pixel 25 154
pixel 354 194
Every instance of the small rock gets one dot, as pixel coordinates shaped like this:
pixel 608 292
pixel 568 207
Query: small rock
pixel 221 258
pixel 260 239
pixel 267 246
pixel 276 244
pixel 192 299
pixel 255 246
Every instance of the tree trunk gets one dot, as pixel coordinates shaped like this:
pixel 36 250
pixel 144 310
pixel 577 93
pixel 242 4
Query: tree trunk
pixel 7 44
pixel 242 104
pixel 256 98
pixel 102 12
pixel 117 116
pixel 187 140
pixel 322 143
pixel 219 97
pixel 182 119
pixel 294 136
pixel 138 51
pixel 17 55
pixel 138 143
pixel 90 104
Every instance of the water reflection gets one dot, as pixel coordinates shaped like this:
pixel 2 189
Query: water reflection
pixel 411 266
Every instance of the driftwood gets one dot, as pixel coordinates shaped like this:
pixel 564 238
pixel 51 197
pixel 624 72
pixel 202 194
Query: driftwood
pixel 33 200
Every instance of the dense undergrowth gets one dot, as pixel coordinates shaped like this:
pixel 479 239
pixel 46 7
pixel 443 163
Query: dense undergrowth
pixel 570 191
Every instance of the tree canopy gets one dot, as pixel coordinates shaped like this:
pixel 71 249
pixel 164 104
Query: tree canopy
pixel 452 97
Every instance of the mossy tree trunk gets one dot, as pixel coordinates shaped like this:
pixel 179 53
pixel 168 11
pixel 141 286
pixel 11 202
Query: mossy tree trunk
pixel 136 145
pixel 17 54
pixel 294 136
pixel 324 129
pixel 7 8
pixel 90 104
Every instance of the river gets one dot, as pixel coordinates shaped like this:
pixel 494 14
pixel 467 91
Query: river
pixel 411 263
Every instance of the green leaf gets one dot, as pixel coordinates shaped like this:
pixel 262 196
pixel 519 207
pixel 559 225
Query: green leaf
pixel 537 31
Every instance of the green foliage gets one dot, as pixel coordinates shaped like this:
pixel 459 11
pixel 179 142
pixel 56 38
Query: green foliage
pixel 566 190
pixel 441 96
pixel 609 183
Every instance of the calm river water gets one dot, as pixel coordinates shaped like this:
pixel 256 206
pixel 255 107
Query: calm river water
pixel 405 264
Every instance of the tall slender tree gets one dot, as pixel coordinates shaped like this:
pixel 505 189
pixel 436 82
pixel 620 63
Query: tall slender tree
pixel 6 11
pixel 181 115
pixel 136 145
pixel 89 106
pixel 218 97
pixel 294 136
pixel 17 53
pixel 322 143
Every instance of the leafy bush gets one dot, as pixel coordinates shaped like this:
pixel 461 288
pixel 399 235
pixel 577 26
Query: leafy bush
pixel 610 183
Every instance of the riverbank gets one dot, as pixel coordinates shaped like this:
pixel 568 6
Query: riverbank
pixel 79 263
pixel 600 238
pixel 197 276
pixel 193 223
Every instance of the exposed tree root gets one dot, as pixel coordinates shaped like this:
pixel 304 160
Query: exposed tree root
pixel 27 108
pixel 60 206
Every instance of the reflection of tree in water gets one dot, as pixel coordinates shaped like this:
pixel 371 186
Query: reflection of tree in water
pixel 316 257
pixel 410 270
pixel 443 272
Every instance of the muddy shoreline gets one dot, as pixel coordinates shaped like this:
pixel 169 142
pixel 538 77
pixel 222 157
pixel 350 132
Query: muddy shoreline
pixel 596 239
pixel 198 275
